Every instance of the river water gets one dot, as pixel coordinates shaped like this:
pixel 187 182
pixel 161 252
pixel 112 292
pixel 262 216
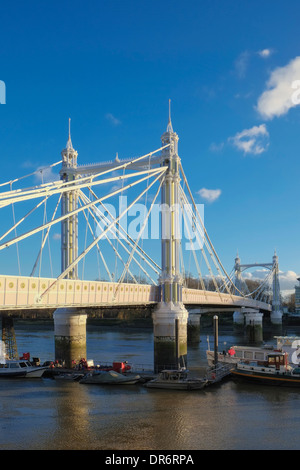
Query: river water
pixel 48 414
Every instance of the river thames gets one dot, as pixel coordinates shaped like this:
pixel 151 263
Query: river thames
pixel 48 414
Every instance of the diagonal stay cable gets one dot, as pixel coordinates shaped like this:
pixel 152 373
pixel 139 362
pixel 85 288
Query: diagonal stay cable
pixel 127 236
pixel 76 211
pixel 75 262
pixel 104 219
pixel 139 236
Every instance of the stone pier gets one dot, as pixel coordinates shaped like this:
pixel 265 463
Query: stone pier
pixel 253 325
pixel 170 346
pixel 69 336
pixel 193 327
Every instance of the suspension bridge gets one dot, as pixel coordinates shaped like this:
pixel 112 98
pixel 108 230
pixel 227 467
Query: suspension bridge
pixel 119 261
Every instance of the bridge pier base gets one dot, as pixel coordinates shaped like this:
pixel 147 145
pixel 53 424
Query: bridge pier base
pixel 276 317
pixel 193 328
pixel 170 336
pixel 69 335
pixel 238 319
pixel 254 326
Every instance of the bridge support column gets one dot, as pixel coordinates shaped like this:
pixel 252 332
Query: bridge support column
pixel 276 317
pixel 170 317
pixel 193 328
pixel 254 327
pixel 69 335
pixel 276 314
pixel 170 343
pixel 238 319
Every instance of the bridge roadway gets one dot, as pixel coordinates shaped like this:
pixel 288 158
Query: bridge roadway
pixel 20 292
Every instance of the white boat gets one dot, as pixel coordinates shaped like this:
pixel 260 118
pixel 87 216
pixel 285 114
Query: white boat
pixel 241 352
pixel 258 353
pixel 110 377
pixel 275 370
pixel 176 380
pixel 20 368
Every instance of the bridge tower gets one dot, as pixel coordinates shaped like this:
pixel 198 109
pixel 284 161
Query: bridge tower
pixel 69 203
pixel 276 314
pixel 69 323
pixel 170 317
pixel 238 316
pixel 237 274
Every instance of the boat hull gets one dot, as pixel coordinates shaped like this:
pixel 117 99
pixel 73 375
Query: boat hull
pixel 109 378
pixel 115 382
pixel 176 386
pixel 25 374
pixel 267 379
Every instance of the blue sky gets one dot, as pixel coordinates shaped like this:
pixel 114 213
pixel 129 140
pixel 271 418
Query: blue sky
pixel 112 66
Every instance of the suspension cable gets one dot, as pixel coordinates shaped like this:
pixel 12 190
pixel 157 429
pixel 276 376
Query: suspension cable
pixel 75 262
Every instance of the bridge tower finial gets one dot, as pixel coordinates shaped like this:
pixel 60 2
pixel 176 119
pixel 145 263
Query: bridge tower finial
pixel 169 126
pixel 69 143
pixel 69 154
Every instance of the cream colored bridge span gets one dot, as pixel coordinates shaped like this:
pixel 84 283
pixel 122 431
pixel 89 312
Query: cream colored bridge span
pixel 20 292
pixel 74 192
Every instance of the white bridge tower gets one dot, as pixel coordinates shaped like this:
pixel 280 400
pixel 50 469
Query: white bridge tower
pixel 170 317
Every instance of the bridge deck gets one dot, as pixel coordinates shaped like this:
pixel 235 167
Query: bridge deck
pixel 20 292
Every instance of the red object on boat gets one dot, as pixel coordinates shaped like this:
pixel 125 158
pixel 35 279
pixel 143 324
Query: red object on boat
pixel 26 356
pixel 121 367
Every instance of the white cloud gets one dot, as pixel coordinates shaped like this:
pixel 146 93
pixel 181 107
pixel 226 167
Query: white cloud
pixel 216 147
pixel 42 174
pixel 210 195
pixel 56 236
pixel 265 53
pixel 277 99
pixel 46 175
pixel 287 279
pixel 112 119
pixel 254 141
pixel 241 64
pixel 257 275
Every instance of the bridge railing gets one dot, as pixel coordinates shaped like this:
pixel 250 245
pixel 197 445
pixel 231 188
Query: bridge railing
pixel 18 292
pixel 21 292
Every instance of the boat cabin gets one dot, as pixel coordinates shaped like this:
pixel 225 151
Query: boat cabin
pixel 279 360
pixel 15 365
pixel 173 375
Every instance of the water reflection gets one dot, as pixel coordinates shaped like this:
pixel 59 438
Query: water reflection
pixel 57 414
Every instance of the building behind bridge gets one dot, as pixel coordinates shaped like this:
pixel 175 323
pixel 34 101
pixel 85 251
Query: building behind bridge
pixel 297 297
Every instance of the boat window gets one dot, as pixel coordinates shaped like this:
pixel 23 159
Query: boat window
pixel 14 365
pixel 248 355
pixel 2 365
pixel 259 356
pixel 281 360
pixel 23 364
pixel 239 353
